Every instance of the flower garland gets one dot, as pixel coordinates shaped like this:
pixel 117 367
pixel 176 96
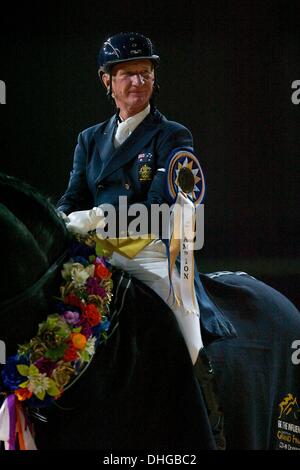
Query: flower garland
pixel 48 364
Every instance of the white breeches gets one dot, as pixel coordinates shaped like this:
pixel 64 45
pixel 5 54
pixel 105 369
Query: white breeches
pixel 151 267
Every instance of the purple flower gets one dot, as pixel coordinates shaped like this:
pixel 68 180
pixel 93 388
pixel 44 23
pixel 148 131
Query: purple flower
pixel 71 317
pixel 93 288
pixel 86 331
pixel 45 366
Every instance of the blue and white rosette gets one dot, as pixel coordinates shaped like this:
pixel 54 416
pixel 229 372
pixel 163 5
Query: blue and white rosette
pixel 185 187
pixel 184 159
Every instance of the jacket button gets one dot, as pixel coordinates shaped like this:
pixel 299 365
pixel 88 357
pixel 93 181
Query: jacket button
pixel 127 186
pixel 100 186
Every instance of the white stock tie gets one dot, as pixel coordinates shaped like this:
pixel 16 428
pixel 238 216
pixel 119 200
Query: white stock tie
pixel 123 131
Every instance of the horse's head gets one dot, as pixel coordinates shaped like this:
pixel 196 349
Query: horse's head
pixel 33 239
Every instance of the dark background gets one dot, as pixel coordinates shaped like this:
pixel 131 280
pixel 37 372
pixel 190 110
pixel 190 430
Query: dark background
pixel 226 73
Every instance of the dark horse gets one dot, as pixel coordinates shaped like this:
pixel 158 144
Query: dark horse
pixel 140 390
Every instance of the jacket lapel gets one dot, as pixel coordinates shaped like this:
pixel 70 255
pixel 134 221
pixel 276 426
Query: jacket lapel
pixel 113 159
pixel 104 139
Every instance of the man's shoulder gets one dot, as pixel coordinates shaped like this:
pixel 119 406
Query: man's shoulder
pixel 171 126
pixel 172 134
pixel 90 131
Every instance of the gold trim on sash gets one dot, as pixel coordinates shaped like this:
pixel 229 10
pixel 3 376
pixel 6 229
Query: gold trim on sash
pixel 124 246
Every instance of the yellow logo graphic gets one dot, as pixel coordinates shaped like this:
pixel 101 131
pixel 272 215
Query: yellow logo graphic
pixel 145 173
pixel 289 405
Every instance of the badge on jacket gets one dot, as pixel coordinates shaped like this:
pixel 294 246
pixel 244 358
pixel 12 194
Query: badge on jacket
pixel 145 170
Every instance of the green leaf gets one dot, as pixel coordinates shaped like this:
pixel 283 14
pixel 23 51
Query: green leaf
pixel 41 395
pixel 77 330
pixel 56 353
pixel 23 349
pixel 62 333
pixel 24 384
pixel 85 356
pixel 53 319
pixel 23 369
pixel 53 390
pixel 49 323
pixel 33 370
pixel 101 251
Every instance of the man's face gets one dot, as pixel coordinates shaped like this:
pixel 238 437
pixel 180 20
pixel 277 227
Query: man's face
pixel 132 85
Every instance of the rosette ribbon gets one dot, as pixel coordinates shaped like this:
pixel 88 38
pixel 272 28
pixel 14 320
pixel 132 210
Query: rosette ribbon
pixel 182 243
pixel 14 426
pixel 185 189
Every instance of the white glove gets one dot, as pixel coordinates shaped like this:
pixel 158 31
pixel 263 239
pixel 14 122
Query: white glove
pixel 84 221
pixel 63 216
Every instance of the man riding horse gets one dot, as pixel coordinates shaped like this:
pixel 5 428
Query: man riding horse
pixel 140 389
pixel 127 156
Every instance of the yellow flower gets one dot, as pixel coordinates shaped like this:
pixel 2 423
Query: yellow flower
pixel 62 375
